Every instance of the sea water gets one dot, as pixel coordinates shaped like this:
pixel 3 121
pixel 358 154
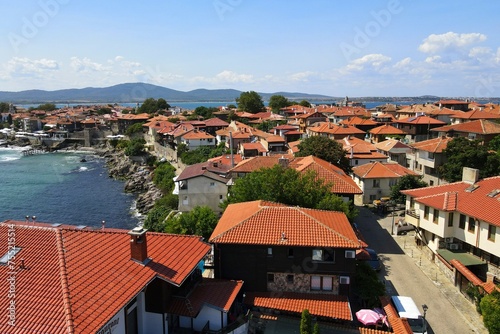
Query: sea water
pixel 62 188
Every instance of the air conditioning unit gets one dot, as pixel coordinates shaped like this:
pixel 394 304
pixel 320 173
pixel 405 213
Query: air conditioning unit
pixel 350 254
pixel 453 246
pixel 345 280
pixel 448 240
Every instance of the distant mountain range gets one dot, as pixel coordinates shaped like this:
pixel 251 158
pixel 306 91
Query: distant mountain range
pixel 138 92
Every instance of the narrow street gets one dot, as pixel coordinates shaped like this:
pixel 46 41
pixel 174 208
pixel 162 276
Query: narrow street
pixel 402 276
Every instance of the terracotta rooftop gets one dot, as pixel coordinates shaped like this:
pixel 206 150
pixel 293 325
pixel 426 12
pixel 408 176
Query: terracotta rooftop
pixel 386 129
pixel 471 277
pixel 330 128
pixel 254 146
pixel 420 120
pixel 219 294
pixel 482 202
pixel 399 325
pixel 215 121
pixel 436 145
pixel 392 144
pixel 480 126
pixel 321 305
pixel 377 170
pixel 211 169
pixel 267 223
pixel 75 280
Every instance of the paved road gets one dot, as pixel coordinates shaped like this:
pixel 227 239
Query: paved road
pixel 403 276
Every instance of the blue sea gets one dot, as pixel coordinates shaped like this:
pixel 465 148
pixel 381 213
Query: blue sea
pixel 60 188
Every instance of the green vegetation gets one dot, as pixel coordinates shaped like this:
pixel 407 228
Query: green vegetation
pixel 404 183
pixel 135 147
pixel 200 221
pixel 44 107
pixel 306 322
pixel 490 309
pixel 152 106
pixel 134 129
pixel 201 154
pixel 305 103
pixel 203 112
pixel 268 125
pixel 462 152
pixel 367 285
pixel 276 102
pixel 326 149
pixel 4 107
pixel 250 102
pixel 287 186
pixel 163 177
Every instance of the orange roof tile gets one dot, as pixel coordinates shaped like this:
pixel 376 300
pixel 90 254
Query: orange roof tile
pixel 376 170
pixel 386 129
pixel 479 126
pixel 322 305
pixel 79 279
pixel 212 292
pixel 466 272
pixel 266 223
pixel 420 120
pixel 478 203
pixel 254 146
pixel 436 145
pixel 195 134
pixel 399 326
pixel 330 128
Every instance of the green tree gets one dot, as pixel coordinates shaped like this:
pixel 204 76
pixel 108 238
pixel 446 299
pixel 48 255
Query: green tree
pixel 490 309
pixel 135 147
pixel 155 219
pixel 276 102
pixel 367 285
pixel 306 322
pixel 205 112
pixel 151 105
pixel 462 152
pixel 4 107
pixel 134 129
pixel 200 221
pixel 333 202
pixel 305 103
pixel 316 329
pixel 326 149
pixel 494 144
pixel 406 182
pixel 250 102
pixel 163 177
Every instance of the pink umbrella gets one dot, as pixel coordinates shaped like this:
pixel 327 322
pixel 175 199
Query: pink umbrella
pixel 368 317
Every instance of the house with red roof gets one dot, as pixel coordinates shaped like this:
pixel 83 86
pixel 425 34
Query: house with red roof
pixel 473 115
pixel 376 180
pixel 418 128
pixel 459 227
pixel 202 184
pixel 290 258
pixel 361 152
pixel 394 149
pixel 197 138
pixel 74 279
pixel 426 156
pixel 453 104
pixel 334 131
pixel 381 133
pixel 481 129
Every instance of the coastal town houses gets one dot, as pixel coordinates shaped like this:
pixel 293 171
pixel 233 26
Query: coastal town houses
pixel 76 279
pixel 360 152
pixel 202 184
pixel 334 131
pixel 197 138
pixel 376 180
pixel 482 130
pixel 381 133
pixel 418 128
pixel 288 257
pixel 426 156
pixel 395 150
pixel 459 227
pixel 473 115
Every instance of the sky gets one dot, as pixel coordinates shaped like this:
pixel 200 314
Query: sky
pixel 331 47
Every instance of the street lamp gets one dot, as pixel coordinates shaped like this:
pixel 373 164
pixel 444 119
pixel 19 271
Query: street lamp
pixel 425 308
pixel 392 226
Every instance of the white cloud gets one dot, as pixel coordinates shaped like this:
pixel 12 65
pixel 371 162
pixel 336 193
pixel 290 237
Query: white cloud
pixel 432 59
pixel 302 76
pixel 450 40
pixel 230 76
pixel 26 66
pixel 86 65
pixel 371 60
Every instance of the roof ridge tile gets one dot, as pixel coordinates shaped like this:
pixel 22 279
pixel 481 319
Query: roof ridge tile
pixel 64 281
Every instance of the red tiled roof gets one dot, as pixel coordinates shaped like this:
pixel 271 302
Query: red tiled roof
pixel 212 292
pixel 341 182
pixel 266 223
pixel 255 163
pixel 321 305
pixel 386 129
pixel 389 144
pixel 436 145
pixel 420 120
pixel 195 134
pixel 471 277
pixel 479 126
pixel 377 170
pixel 476 115
pixel 77 280
pixel 254 146
pixel 475 203
pixel 215 121
pixel 209 169
pixel 399 325
pixel 330 128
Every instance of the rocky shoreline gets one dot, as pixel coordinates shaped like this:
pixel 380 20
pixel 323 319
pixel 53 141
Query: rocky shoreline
pixel 138 178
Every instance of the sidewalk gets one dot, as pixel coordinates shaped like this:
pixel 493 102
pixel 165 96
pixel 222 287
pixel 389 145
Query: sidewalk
pixel 464 307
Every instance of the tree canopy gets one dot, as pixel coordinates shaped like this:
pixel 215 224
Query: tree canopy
pixel 305 103
pixel 490 310
pixel 250 102
pixel 306 322
pixel 404 183
pixel 276 102
pixel 200 221
pixel 326 149
pixel 367 285
pixel 287 186
pixel 462 152
pixel 151 105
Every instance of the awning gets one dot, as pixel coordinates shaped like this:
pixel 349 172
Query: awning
pixel 465 258
pixel 471 277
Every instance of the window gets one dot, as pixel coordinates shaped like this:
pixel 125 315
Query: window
pixel 212 184
pixel 319 283
pixel 450 219
pixel 431 155
pixel 472 224
pixel 492 230
pixel 461 223
pixel 290 252
pixel 10 255
pixel 289 279
pixel 269 251
pixel 435 216
pixel 323 255
pixel 376 183
pixel 426 212
pixel 270 278
pixel 355 162
pixel 431 182
pixel 185 200
pixel 373 197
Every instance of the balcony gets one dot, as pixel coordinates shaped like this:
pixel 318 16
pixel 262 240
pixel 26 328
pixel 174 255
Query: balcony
pixel 412 217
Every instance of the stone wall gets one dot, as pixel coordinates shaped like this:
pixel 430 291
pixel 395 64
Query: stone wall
pixel 301 283
pixel 446 269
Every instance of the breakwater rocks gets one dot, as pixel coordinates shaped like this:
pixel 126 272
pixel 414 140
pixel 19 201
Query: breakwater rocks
pixel 138 178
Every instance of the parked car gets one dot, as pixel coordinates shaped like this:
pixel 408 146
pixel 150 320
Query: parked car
pixel 403 227
pixel 371 257
pixel 383 201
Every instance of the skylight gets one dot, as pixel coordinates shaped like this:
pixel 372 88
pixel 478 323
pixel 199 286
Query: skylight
pixel 11 253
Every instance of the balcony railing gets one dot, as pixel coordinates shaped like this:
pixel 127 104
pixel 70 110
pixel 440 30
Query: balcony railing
pixel 412 217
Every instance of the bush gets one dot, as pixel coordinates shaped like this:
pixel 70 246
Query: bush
pixel 163 177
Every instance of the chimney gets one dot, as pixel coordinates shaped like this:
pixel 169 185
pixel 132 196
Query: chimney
pixel 138 245
pixel 470 175
pixel 283 162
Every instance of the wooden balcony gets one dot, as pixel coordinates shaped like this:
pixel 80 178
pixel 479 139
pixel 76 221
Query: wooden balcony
pixel 412 218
